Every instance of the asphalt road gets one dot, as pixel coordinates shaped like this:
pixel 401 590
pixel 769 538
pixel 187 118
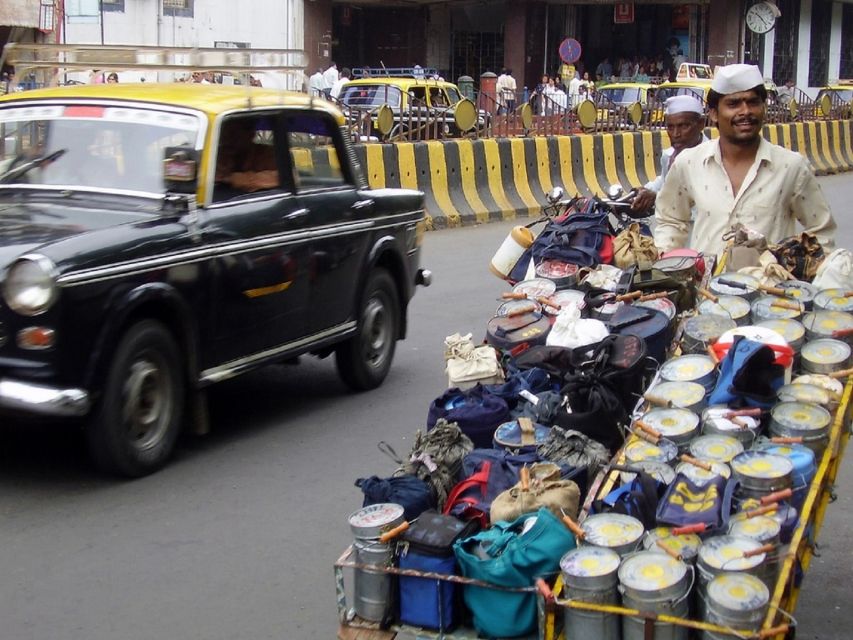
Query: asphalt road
pixel 236 538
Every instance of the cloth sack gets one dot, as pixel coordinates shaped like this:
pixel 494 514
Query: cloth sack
pixel 486 473
pixel 631 248
pixel 743 249
pixel 836 272
pixel 638 499
pixel 546 489
pixel 509 554
pixel 467 364
pixel 531 380
pixel 436 457
pixel 574 449
pixel 570 330
pixel 476 412
pixel 801 255
pixel 768 272
pixel 410 492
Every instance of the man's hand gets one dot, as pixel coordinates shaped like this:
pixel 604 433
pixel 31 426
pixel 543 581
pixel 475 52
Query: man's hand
pixel 644 200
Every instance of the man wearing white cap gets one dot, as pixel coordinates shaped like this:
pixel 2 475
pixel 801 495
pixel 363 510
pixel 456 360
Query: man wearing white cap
pixel 739 177
pixel 684 117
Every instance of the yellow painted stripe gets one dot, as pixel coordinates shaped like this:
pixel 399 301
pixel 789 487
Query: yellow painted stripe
pixel 375 166
pixel 564 144
pixel 522 184
pixel 493 171
pixel 649 155
pixel 302 159
pixel 440 189
pixel 609 159
pixel 630 161
pixel 408 170
pixel 823 130
pixel 588 157
pixel 334 161
pixel 469 181
pixel 543 163
pixel 786 137
pixel 818 160
pixel 772 134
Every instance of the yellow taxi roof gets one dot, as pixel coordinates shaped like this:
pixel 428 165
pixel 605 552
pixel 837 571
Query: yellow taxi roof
pixel 212 99
pixel 626 85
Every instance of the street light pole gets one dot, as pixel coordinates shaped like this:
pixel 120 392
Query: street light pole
pixel 101 11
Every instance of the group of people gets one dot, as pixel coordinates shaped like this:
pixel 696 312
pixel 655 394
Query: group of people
pixel 552 95
pixel 327 84
pixel 706 187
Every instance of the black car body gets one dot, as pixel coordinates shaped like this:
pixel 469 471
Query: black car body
pixel 157 239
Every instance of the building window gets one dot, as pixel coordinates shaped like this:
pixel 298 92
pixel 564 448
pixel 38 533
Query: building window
pixel 179 8
pixel 113 5
pixel 846 68
pixel 819 53
pixel 785 44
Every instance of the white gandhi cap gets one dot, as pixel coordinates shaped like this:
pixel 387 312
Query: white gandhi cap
pixel 736 77
pixel 682 104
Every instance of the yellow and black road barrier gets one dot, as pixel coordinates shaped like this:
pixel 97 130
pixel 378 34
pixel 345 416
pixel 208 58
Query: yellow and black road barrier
pixel 468 182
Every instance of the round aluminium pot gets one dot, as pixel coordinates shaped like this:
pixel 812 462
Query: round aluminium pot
pixel 825 355
pixel 716 448
pixel 731 307
pixel 834 300
pixel 615 531
pixel 677 425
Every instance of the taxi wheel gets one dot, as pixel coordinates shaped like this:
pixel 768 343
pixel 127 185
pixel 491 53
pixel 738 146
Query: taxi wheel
pixel 138 418
pixel 365 359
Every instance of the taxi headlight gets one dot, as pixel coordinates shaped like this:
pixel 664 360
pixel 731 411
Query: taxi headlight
pixel 30 285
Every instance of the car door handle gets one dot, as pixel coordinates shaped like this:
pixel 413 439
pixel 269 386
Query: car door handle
pixel 297 215
pixel 362 204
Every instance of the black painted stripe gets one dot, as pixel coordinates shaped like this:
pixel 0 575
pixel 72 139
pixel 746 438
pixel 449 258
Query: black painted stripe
pixel 619 151
pixel 481 179
pixel 508 175
pixel 454 184
pixel 424 178
pixel 391 159
pixel 531 159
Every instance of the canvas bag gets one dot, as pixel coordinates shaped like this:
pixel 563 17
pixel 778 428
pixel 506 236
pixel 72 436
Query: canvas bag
pixel 476 412
pixel 631 248
pixel 547 489
pixel 466 364
pixel 504 556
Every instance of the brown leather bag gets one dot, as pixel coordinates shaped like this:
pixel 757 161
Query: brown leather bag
pixel 545 489
pixel 631 248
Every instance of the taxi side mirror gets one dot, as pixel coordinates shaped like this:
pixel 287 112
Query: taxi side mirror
pixel 180 169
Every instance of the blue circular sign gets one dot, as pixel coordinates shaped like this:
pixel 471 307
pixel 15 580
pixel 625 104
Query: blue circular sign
pixel 570 50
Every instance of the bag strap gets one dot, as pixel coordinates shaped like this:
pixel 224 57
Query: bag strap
pixel 388 450
pixel 480 478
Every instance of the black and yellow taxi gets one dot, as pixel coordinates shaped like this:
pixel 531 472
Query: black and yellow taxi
pixel 156 239
pixel 416 100
pixel 836 99
pixel 616 98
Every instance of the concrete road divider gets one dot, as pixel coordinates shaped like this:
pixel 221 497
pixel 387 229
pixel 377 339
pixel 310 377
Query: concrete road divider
pixel 475 181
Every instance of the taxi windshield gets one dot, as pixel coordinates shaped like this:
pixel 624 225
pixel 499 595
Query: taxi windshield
pixel 89 146
pixel 370 95
pixel 622 95
pixel 845 95
pixel 667 92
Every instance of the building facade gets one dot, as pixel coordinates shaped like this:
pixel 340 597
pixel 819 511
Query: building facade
pixel 811 42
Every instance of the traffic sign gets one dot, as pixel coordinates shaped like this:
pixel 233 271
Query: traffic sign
pixel 570 50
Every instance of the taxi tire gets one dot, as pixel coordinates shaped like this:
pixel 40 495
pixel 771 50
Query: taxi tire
pixel 145 369
pixel 364 359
